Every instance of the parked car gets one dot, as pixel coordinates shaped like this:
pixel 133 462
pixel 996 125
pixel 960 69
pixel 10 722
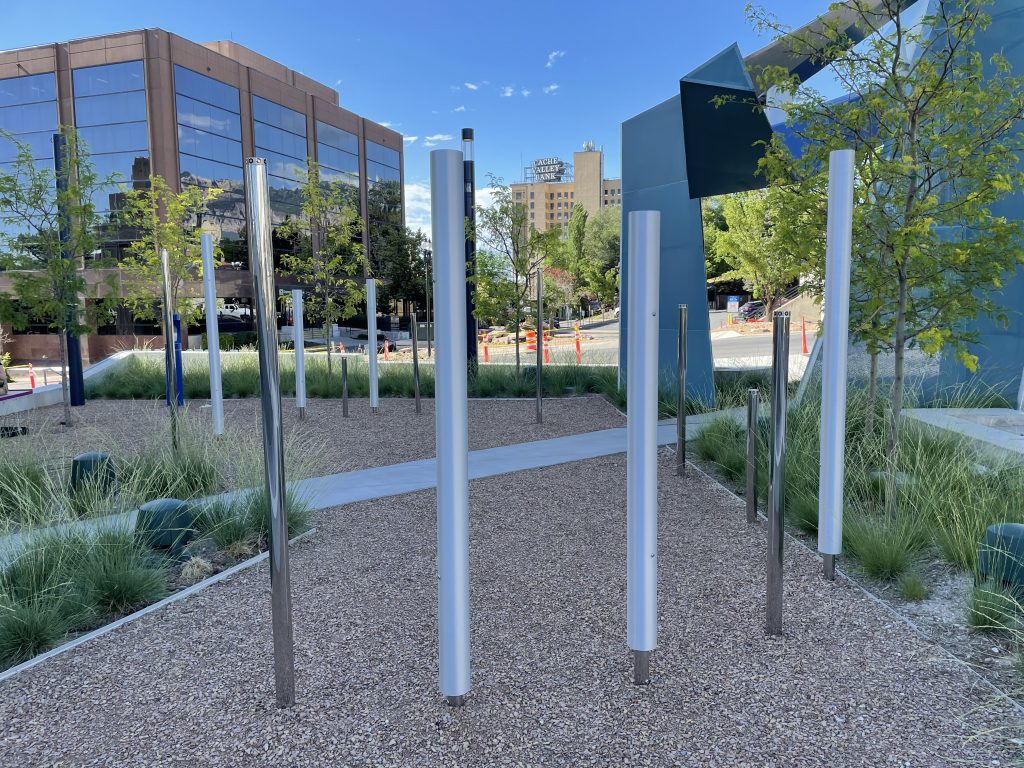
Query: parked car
pixel 751 311
pixel 233 310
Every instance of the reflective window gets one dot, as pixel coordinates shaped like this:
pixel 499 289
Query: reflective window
pixel 109 78
pixel 206 89
pixel 279 136
pixel 204 117
pixel 28 89
pixel 376 172
pixel 337 160
pixel 29 118
pixel 383 155
pixel 210 147
pixel 110 113
pixel 111 108
pixel 337 138
pixel 39 144
pixel 274 114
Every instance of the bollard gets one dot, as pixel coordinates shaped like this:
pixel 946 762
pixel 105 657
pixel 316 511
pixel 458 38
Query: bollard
pixel 452 438
pixel 752 430
pixel 212 334
pixel 344 387
pixel 803 334
pixel 261 258
pixel 414 332
pixel 681 393
pixel 777 469
pixel 540 346
pixel 642 441
pixel 299 332
pixel 834 351
pixel 487 356
pixel 31 377
pixel 579 352
pixel 371 339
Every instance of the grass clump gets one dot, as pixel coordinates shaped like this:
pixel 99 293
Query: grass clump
pixel 885 545
pixel 912 586
pixel 992 608
pixel 120 575
pixel 241 526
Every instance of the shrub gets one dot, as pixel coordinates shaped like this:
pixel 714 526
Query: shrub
pixel 802 511
pixel 711 442
pixel 992 607
pixel 29 628
pixel 885 545
pixel 120 574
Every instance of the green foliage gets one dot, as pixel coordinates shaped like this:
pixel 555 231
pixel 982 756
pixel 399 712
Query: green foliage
pixel 45 270
pixel 936 141
pixel 163 220
pixel 992 608
pixel 885 546
pixel 119 575
pixel 29 628
pixel 601 244
pixel 397 255
pixel 242 525
pixel 912 586
pixel 749 245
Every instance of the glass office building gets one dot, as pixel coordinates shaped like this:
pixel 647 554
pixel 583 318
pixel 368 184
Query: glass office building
pixel 150 102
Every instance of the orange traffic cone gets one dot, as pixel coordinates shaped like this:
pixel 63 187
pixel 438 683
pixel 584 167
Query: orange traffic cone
pixel 31 376
pixel 803 332
pixel 547 349
pixel 579 352
pixel 487 357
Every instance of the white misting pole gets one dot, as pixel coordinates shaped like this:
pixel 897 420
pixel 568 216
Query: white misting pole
pixel 447 206
pixel 212 334
pixel 299 332
pixel 371 333
pixel 836 340
pixel 642 441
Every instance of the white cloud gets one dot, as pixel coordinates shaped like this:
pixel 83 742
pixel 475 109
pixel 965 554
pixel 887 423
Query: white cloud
pixel 439 137
pixel 409 139
pixel 454 88
pixel 553 57
pixel 429 143
pixel 337 82
pixel 471 86
pixel 525 92
pixel 417 205
pixel 507 91
pixel 389 124
pixel 459 108
pixel 551 89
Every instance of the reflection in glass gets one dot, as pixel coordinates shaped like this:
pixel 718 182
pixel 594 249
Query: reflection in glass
pixel 205 117
pixel 109 78
pixel 28 89
pixel 206 89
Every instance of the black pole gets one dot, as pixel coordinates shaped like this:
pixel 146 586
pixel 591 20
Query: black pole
pixel 469 175
pixel 76 380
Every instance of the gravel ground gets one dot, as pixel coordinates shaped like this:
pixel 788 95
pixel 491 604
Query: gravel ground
pixel 848 685
pixel 395 435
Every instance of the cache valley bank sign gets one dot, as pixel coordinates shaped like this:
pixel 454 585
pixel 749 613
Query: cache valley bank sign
pixel 548 169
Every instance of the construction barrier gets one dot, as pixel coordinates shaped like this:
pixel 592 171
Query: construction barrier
pixel 487 356
pixel 31 377
pixel 579 352
pixel 803 332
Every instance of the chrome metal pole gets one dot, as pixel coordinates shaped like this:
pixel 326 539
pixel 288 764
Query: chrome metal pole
pixel 540 345
pixel 752 432
pixel 344 386
pixel 777 469
pixel 299 332
pixel 642 441
pixel 371 333
pixel 171 372
pixel 212 334
pixel 452 436
pixel 261 257
pixel 681 393
pixel 414 332
pixel 839 238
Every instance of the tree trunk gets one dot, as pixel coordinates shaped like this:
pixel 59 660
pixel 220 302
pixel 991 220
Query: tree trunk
pixel 519 309
pixel 64 387
pixel 327 337
pixel 869 425
pixel 896 403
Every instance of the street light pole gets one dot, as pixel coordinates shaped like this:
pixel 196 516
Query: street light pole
pixel 469 178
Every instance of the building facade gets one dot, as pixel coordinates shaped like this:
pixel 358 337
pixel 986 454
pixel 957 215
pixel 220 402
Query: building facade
pixel 150 102
pixel 550 188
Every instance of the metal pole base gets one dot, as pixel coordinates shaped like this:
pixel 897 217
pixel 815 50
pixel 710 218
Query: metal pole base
pixel 375 410
pixel 302 413
pixel 830 567
pixel 641 667
pixel 456 701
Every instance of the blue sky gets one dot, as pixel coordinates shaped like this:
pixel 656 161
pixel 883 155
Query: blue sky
pixel 571 71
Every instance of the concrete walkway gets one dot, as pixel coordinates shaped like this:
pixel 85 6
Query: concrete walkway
pixel 398 479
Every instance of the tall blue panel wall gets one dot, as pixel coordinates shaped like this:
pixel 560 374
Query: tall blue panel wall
pixel 1000 349
pixel 654 179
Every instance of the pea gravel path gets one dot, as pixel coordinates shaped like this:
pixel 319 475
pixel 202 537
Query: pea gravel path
pixel 849 684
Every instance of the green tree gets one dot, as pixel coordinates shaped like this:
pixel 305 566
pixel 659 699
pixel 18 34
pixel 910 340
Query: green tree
pixel 749 246
pixel 48 231
pixel 601 245
pixel 398 262
pixel 327 252
pixel 504 229
pixel 935 130
pixel 495 290
pixel 163 220
pixel 571 257
pixel 713 221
